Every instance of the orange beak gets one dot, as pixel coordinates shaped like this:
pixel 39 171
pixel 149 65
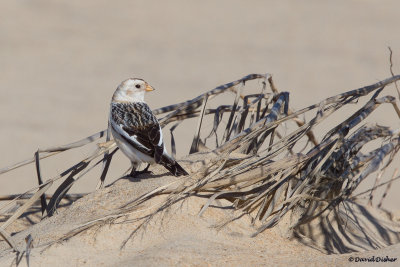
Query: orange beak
pixel 149 88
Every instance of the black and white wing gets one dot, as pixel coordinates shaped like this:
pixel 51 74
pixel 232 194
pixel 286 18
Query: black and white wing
pixel 139 127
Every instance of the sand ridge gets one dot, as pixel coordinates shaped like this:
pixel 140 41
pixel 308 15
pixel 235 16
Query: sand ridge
pixel 174 237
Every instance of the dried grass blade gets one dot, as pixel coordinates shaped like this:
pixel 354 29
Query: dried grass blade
pixel 43 201
pixel 228 129
pixel 262 124
pixel 195 144
pixel 357 117
pixel 371 194
pixel 48 152
pixel 62 190
pixel 48 196
pixel 214 197
pixel 219 113
pixel 76 144
pixel 173 145
pixel 67 184
pixel 271 206
pixel 25 162
pixel 388 187
pixel 26 205
pixel 177 108
pixel 336 100
pixel 10 241
pixel 396 108
pixel 376 161
pixel 29 246
pixel 106 161
pixel 96 154
pixel 245 110
pixel 354 197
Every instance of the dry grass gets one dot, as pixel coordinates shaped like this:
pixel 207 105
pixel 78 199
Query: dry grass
pixel 264 159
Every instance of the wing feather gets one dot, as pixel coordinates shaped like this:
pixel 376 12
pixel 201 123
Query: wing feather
pixel 140 128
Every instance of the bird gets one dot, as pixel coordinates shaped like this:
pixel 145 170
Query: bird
pixel 136 129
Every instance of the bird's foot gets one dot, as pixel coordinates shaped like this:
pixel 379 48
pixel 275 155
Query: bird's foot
pixel 134 173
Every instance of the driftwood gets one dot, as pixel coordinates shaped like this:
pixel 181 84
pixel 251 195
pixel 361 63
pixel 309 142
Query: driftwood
pixel 264 167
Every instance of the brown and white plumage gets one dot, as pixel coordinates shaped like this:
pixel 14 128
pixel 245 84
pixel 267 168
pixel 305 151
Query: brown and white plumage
pixel 135 128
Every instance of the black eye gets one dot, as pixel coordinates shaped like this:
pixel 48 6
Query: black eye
pixel 137 86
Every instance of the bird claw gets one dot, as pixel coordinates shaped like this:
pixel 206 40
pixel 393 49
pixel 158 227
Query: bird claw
pixel 134 173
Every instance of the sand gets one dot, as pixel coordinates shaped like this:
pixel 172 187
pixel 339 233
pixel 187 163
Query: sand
pixel 62 60
pixel 175 237
pixel 179 236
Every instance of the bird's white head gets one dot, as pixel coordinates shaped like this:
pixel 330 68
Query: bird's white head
pixel 131 90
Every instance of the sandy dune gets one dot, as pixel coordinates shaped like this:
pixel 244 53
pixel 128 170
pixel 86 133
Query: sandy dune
pixel 61 61
pixel 175 237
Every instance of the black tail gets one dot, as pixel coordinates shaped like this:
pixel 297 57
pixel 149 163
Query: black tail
pixel 173 166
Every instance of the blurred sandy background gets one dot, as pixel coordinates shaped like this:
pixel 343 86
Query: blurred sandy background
pixel 60 62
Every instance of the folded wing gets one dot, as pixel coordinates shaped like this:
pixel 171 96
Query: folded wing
pixel 139 127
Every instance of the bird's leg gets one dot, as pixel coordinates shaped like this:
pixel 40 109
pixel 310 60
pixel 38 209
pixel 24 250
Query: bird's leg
pixel 135 173
pixel 146 170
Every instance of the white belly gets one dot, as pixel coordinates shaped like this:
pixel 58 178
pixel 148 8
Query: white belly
pixel 133 154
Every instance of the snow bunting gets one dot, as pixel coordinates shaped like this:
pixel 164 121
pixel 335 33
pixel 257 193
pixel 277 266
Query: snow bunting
pixel 136 130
